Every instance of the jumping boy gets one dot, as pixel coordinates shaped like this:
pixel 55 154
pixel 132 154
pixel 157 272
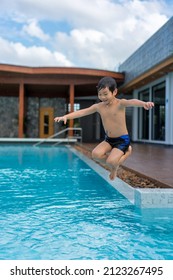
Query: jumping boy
pixel 115 148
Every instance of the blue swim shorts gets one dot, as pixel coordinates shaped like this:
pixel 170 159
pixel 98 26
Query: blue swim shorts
pixel 122 143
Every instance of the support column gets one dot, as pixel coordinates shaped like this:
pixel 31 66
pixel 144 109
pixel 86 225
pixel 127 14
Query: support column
pixel 71 122
pixel 21 110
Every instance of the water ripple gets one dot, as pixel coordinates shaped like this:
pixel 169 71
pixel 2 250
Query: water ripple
pixel 53 206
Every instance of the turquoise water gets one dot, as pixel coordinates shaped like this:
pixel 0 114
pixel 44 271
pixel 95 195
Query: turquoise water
pixel 54 206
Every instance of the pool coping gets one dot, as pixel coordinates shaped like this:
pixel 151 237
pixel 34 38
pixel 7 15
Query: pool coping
pixel 141 198
pixel 38 140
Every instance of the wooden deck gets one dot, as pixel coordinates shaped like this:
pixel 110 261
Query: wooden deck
pixel 151 160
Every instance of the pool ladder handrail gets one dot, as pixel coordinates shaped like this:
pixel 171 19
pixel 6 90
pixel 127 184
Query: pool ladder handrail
pixel 59 133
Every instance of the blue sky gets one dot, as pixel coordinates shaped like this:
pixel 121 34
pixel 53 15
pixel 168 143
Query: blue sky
pixel 97 34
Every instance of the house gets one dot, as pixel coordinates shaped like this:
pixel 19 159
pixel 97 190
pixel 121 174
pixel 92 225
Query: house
pixel 149 76
pixel 30 97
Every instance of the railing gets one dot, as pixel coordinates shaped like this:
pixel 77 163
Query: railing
pixel 61 140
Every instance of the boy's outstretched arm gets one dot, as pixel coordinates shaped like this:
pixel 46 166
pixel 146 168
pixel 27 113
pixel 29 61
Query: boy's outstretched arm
pixel 137 103
pixel 77 114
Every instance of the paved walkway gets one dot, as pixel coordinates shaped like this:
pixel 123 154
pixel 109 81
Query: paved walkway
pixel 154 161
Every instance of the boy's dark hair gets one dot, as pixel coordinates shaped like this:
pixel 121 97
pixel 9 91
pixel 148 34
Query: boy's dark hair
pixel 107 82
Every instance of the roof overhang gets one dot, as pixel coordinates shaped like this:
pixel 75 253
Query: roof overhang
pixel 52 81
pixel 62 74
pixel 149 76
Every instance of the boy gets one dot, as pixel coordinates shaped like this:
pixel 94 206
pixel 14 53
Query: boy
pixel 115 149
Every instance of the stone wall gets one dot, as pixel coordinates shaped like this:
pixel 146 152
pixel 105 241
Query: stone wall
pixel 31 121
pixel 9 116
pixel 9 112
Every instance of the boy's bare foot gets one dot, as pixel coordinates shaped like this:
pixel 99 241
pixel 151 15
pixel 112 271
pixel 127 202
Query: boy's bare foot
pixel 113 173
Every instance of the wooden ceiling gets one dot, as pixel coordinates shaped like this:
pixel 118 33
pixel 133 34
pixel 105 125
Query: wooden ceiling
pixel 52 81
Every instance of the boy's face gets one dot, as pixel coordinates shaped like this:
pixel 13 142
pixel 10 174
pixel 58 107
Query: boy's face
pixel 106 96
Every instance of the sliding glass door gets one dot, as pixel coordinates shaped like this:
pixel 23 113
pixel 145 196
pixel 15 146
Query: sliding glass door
pixel 158 112
pixel 151 123
pixel 143 124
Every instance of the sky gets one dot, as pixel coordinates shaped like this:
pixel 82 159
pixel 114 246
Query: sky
pixel 97 34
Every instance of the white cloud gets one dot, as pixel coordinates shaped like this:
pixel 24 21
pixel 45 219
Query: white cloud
pixel 101 33
pixel 116 33
pixel 18 54
pixel 84 47
pixel 83 36
pixel 33 29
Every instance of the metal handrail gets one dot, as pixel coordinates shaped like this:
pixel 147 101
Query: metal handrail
pixel 59 133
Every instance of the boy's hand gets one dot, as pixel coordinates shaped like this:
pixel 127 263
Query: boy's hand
pixel 58 119
pixel 148 105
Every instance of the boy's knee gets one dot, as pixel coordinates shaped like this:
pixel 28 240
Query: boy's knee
pixel 96 154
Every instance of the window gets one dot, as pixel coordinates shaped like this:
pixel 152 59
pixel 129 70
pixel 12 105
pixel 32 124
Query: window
pixel 143 124
pixel 46 124
pixel 76 107
pixel 158 112
pixel 151 123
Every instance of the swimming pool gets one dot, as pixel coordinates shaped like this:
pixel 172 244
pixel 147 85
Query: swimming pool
pixel 54 206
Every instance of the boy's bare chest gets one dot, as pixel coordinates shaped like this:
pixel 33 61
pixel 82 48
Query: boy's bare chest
pixel 110 112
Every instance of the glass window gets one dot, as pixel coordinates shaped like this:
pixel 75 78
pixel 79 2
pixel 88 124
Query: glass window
pixel 76 107
pixel 46 124
pixel 158 112
pixel 143 121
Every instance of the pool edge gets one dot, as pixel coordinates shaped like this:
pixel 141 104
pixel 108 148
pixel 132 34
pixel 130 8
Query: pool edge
pixel 141 198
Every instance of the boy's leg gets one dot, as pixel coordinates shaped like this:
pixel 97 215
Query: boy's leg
pixel 126 155
pixel 99 153
pixel 115 159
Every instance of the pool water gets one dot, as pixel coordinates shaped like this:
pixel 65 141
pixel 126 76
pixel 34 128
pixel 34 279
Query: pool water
pixel 54 206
